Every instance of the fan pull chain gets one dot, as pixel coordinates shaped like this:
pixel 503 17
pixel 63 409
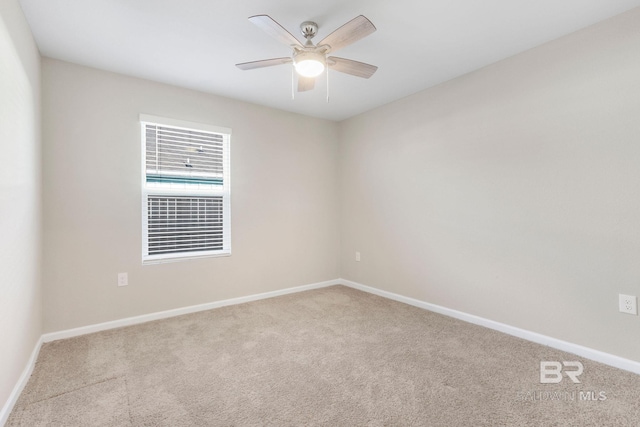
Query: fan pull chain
pixel 293 90
pixel 327 85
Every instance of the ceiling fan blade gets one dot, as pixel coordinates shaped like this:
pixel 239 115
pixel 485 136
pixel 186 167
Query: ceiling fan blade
pixel 306 83
pixel 263 63
pixel 275 30
pixel 351 32
pixel 348 66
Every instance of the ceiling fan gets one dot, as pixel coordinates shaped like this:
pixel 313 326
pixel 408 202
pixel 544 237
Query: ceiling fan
pixel 309 60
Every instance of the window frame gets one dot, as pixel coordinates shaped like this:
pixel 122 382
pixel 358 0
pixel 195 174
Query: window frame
pixel 171 190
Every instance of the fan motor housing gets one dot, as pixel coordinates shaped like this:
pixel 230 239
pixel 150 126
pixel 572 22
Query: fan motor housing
pixel 309 29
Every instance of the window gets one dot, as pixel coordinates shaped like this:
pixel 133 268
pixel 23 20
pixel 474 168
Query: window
pixel 185 190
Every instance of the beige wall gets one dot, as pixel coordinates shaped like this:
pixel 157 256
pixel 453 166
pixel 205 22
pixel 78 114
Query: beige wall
pixel 20 233
pixel 284 199
pixel 511 193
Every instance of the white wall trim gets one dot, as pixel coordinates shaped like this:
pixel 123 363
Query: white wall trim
pixel 70 333
pixel 83 330
pixel 589 353
pixel 22 382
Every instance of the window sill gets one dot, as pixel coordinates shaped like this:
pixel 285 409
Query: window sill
pixel 151 261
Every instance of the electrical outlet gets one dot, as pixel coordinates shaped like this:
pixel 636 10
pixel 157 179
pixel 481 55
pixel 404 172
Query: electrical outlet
pixel 357 256
pixel 123 279
pixel 628 304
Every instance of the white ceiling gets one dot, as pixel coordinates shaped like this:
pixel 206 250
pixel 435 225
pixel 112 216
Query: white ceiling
pixel 196 43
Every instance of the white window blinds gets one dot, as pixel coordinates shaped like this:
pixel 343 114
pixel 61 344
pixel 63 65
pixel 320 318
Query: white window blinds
pixel 186 190
pixel 184 156
pixel 185 224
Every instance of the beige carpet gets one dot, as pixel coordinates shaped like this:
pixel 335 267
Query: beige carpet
pixel 333 356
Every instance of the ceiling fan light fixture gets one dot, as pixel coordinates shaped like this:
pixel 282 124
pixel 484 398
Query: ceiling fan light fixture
pixel 310 59
pixel 309 64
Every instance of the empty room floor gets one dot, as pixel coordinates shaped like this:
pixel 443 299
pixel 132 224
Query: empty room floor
pixel 332 356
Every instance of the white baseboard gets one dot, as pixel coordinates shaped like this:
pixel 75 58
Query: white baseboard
pixel 69 333
pixel 22 382
pixel 589 353
pixel 24 378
